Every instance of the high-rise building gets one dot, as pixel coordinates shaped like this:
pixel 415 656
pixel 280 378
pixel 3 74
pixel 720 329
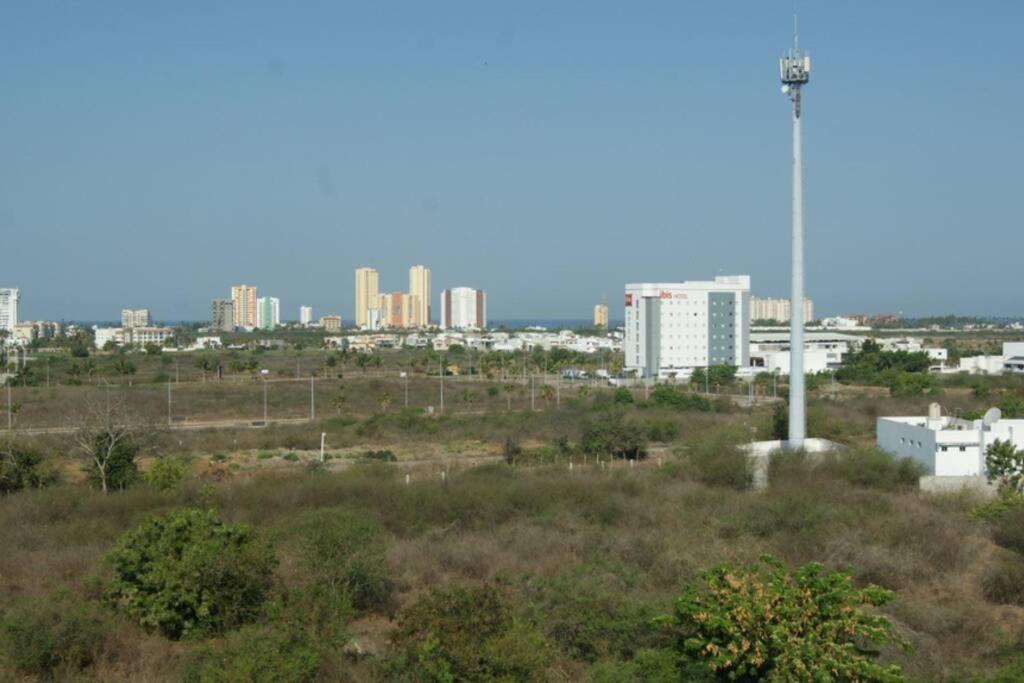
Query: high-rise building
pixel 601 315
pixel 134 317
pixel 419 287
pixel 10 300
pixel 463 308
pixel 268 312
pixel 243 303
pixel 672 328
pixel 331 323
pixel 367 298
pixel 305 315
pixel 397 309
pixel 222 316
pixel 777 309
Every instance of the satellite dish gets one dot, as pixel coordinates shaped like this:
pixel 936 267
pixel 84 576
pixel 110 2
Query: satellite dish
pixel 992 416
pixel 785 90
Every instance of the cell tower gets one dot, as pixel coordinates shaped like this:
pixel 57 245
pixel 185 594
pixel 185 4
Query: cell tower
pixel 795 71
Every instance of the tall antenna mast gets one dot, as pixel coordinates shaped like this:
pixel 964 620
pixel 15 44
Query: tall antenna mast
pixel 795 72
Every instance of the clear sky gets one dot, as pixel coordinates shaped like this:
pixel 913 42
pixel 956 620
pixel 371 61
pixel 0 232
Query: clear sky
pixel 154 154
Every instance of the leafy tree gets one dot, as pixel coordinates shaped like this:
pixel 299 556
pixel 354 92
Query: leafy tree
pixel 767 622
pixel 615 436
pixel 1005 463
pixel 22 468
pixel 188 574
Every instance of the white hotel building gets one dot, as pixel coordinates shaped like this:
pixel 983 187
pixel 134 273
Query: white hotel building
pixel 672 328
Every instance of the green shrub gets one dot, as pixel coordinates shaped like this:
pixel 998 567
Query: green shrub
pixel 218 457
pixel 904 384
pixel 589 622
pixel 873 468
pixel 467 634
pixel 166 473
pixel 669 396
pixel 649 666
pixel 380 456
pixel 291 456
pixel 265 455
pixel 189 574
pixel 257 654
pixel 766 622
pixel 615 436
pixel 622 396
pixel 662 430
pixel 23 468
pixel 346 553
pixel 995 509
pixel 54 638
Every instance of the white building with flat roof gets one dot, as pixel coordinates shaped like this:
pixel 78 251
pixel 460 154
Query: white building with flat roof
pixel 305 315
pixel 135 317
pixel 463 308
pixel 947 446
pixel 674 327
pixel 10 300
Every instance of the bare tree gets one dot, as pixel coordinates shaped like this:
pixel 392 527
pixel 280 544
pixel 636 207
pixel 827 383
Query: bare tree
pixel 107 432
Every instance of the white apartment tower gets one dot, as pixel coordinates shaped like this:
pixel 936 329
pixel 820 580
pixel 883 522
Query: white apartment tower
pixel 463 308
pixel 305 315
pixel 674 327
pixel 134 317
pixel 9 302
pixel 419 287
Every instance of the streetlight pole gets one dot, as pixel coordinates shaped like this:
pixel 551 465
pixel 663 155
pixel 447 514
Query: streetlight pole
pixel 440 367
pixel 312 398
pixel 168 403
pixel 264 401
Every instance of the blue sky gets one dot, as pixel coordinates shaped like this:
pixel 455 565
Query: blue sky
pixel 154 154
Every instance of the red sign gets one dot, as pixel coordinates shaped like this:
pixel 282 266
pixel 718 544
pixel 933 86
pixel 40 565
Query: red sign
pixel 629 300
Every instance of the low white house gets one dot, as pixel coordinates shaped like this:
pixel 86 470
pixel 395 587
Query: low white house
pixel 947 446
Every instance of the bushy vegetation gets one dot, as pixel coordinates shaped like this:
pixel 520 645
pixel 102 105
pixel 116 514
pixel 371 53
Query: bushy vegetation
pixel 166 473
pixel 188 574
pixel 467 634
pixel 670 396
pixel 766 622
pixel 54 638
pixel 518 569
pixel 23 468
pixel 614 436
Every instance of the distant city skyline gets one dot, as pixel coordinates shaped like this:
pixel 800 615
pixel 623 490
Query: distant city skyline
pixel 543 159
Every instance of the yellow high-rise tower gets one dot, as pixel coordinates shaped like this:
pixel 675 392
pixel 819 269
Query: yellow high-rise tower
pixel 366 296
pixel 419 287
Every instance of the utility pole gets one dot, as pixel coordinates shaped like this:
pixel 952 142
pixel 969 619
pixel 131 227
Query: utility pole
pixel 312 398
pixel 405 376
pixel 168 403
pixel 440 365
pixel 10 408
pixel 264 401
pixel 795 71
pixel 533 402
